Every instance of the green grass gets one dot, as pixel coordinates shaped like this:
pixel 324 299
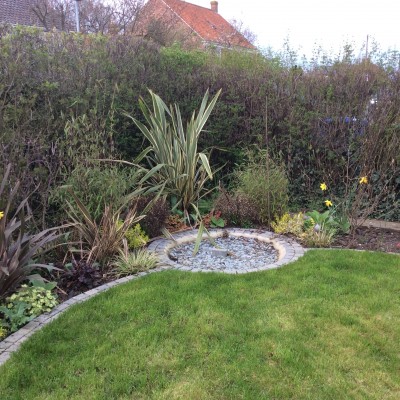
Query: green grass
pixel 324 327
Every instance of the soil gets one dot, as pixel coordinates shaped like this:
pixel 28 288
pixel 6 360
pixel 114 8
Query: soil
pixel 368 238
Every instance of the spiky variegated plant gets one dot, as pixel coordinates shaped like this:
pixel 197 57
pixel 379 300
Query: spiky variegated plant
pixel 174 150
pixel 174 147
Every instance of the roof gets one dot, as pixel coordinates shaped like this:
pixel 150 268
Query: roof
pixel 17 12
pixel 208 24
pixel 20 12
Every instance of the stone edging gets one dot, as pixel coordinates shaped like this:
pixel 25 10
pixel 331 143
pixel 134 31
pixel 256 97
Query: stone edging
pixel 289 251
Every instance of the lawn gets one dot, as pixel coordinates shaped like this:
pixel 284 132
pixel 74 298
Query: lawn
pixel 324 327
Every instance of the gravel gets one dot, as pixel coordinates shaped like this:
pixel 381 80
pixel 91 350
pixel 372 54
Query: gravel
pixel 242 254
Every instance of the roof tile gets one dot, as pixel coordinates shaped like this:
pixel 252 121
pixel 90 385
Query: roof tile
pixel 208 24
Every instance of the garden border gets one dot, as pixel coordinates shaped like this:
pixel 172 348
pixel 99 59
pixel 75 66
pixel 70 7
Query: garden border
pixel 289 251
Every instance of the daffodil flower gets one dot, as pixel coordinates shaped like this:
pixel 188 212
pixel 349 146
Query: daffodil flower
pixel 1 214
pixel 323 186
pixel 328 203
pixel 363 180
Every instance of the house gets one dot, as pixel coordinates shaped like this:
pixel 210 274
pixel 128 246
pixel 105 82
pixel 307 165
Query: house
pixel 34 13
pixel 194 26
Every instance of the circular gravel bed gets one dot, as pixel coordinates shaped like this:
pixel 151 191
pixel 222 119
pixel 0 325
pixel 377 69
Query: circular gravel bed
pixel 230 253
pixel 238 251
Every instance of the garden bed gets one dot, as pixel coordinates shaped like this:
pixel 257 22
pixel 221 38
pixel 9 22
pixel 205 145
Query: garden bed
pixel 368 238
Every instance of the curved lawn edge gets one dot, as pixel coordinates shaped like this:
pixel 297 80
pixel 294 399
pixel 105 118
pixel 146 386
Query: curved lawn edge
pixel 289 252
pixel 323 321
pixel 12 343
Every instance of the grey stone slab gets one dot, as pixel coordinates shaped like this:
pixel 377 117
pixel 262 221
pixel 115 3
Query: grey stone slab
pixel 32 324
pixel 42 318
pixel 13 348
pixel 253 269
pixel 4 357
pixel 19 334
pixel 4 345
pixel 124 280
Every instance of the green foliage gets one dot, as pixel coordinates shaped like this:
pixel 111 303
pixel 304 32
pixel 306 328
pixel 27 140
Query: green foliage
pixel 342 223
pixel 289 223
pixel 136 237
pixel 18 246
pixel 266 184
pixel 17 316
pixel 174 150
pixel 217 222
pixel 323 221
pixel 317 238
pixel 97 185
pixel 128 263
pixel 3 331
pixel 38 300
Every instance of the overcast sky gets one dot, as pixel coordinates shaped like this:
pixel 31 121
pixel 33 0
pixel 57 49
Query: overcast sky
pixel 306 22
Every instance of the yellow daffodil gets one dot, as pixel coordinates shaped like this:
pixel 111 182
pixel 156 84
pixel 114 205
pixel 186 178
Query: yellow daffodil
pixel 1 214
pixel 363 180
pixel 323 186
pixel 328 203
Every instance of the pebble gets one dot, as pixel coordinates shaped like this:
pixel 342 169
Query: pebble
pixel 242 254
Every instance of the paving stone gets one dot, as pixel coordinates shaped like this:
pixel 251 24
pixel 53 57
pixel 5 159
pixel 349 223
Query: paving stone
pixel 4 345
pixel 4 357
pixel 13 348
pixel 42 318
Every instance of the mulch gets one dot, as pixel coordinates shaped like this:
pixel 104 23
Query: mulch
pixel 369 238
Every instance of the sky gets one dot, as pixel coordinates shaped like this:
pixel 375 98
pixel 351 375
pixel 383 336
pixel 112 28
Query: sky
pixel 308 23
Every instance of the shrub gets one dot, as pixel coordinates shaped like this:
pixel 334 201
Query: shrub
pixel 128 263
pixel 265 183
pixel 96 185
pixel 237 209
pixel 317 238
pixel 38 300
pixel 3 331
pixel 80 276
pixel 136 237
pixel 155 217
pixel 289 224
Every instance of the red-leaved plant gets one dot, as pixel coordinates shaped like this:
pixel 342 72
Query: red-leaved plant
pixel 18 247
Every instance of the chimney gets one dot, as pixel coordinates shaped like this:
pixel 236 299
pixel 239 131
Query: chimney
pixel 214 6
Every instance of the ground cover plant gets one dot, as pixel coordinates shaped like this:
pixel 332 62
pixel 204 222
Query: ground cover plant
pixel 326 326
